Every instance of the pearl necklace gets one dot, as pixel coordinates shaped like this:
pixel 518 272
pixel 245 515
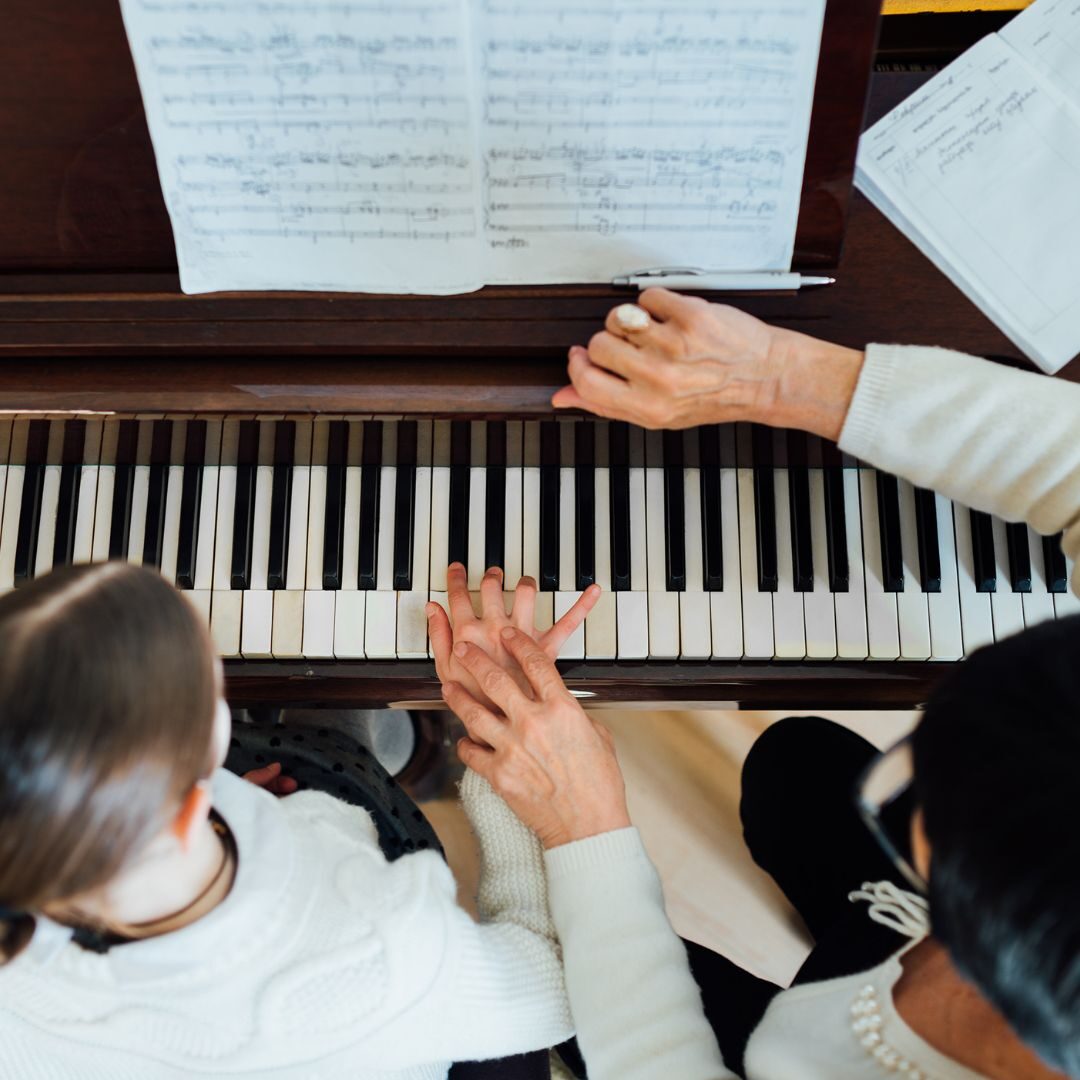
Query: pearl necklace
pixel 866 1023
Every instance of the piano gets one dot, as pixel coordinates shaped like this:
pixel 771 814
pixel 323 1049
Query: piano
pixel 304 466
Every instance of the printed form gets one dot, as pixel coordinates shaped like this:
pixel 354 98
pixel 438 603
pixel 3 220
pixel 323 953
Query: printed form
pixel 440 145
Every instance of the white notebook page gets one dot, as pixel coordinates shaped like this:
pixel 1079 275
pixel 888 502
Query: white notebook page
pixel 434 146
pixel 981 168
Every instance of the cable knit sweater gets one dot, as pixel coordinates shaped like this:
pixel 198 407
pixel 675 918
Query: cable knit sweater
pixel 324 962
pixel 996 439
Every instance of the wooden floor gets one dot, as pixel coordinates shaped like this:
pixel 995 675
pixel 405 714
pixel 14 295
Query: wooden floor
pixel 682 774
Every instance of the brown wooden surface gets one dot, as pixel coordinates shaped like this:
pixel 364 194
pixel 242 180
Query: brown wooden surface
pixel 761 685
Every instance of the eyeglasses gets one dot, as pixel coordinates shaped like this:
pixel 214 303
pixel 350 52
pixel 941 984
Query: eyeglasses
pixel 880 799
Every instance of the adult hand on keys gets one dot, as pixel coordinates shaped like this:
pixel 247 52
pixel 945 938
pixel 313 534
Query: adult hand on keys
pixel 484 631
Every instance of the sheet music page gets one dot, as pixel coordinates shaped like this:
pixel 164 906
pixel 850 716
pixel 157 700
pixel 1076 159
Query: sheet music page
pixel 313 144
pixel 1047 35
pixel 617 136
pixel 981 168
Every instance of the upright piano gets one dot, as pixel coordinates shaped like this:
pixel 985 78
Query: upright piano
pixel 304 465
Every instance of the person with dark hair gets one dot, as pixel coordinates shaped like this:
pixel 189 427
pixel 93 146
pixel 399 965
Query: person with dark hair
pixel 940 880
pixel 161 918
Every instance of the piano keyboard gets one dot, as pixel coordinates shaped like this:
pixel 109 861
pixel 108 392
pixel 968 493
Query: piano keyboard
pixel 325 538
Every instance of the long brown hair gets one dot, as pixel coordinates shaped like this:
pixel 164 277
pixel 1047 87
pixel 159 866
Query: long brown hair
pixel 107 698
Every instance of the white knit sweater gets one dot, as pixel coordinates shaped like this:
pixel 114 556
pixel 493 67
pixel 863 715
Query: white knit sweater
pixel 324 962
pixel 999 440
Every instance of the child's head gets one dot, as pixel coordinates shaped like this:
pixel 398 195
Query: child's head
pixel 108 694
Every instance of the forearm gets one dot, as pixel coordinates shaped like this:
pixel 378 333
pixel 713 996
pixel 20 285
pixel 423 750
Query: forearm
pixel 636 1007
pixel 991 437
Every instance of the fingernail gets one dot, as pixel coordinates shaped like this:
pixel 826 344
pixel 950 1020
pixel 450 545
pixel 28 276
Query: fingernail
pixel 495 570
pixel 429 609
pixel 455 566
pixel 460 649
pixel 507 632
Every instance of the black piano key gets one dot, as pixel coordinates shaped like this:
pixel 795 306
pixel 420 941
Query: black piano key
pixel 929 544
pixel 460 456
pixel 495 497
pixel 281 503
pixel 337 445
pixel 585 503
pixel 982 544
pixel 619 457
pixel 1054 565
pixel 68 503
pixel 127 439
pixel 674 513
pixel 835 517
pixel 802 550
pixel 154 528
pixel 892 553
pixel 247 457
pixel 711 508
pixel 190 503
pixel 1016 536
pixel 549 506
pixel 765 509
pixel 37 446
pixel 405 504
pixel 370 474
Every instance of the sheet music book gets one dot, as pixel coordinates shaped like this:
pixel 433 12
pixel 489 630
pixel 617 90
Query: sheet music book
pixel 980 168
pixel 435 146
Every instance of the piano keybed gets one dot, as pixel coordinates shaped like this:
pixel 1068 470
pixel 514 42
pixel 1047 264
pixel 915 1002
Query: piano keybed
pixel 323 539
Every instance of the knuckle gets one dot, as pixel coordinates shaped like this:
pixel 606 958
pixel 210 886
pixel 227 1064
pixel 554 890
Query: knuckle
pixel 492 681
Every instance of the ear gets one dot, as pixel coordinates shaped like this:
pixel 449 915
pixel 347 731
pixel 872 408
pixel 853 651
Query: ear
pixel 222 733
pixel 194 810
pixel 920 845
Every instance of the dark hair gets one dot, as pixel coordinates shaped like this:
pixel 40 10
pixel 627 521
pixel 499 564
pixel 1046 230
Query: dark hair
pixel 997 774
pixel 107 698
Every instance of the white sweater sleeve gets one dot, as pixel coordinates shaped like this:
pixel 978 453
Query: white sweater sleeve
pixel 989 436
pixel 637 1008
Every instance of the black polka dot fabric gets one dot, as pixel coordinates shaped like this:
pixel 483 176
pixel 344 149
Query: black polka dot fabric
pixel 322 759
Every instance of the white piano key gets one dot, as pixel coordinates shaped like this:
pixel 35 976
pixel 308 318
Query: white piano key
pixel 567 530
pixel 140 491
pixel 601 629
pixel 316 520
pixel 852 641
pixel 632 624
pixel 1039 603
pixel 319 623
pixel 299 508
pixel 199 599
pixel 380 624
pixel 513 536
pixel 882 621
pixel 530 494
pixel 663 605
pixel 257 623
pixel 174 484
pixel 639 561
pixel 946 633
pixel 1067 603
pixel 5 458
pixel 106 481
pixel 819 608
pixel 573 648
pixel 726 605
pixel 602 529
pixel 260 521
pixel 287 638
pixel 440 506
pixel 349 611
pixel 977 622
pixel 384 558
pixel 1006 606
pixel 477 556
pixel 50 498
pixel 83 548
pixel 350 543
pixel 789 626
pixel 695 615
pixel 208 499
pixel 13 489
pixel 411 621
pixel 544 617
pixel 757 606
pixel 226 604
pixel 912 608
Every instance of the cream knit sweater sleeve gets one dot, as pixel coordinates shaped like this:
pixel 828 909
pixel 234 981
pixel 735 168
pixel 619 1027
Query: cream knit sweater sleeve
pixel 989 436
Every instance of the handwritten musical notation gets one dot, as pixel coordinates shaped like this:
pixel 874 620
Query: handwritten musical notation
pixel 437 146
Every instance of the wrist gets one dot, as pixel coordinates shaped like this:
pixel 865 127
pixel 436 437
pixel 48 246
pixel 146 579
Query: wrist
pixel 584 826
pixel 809 384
